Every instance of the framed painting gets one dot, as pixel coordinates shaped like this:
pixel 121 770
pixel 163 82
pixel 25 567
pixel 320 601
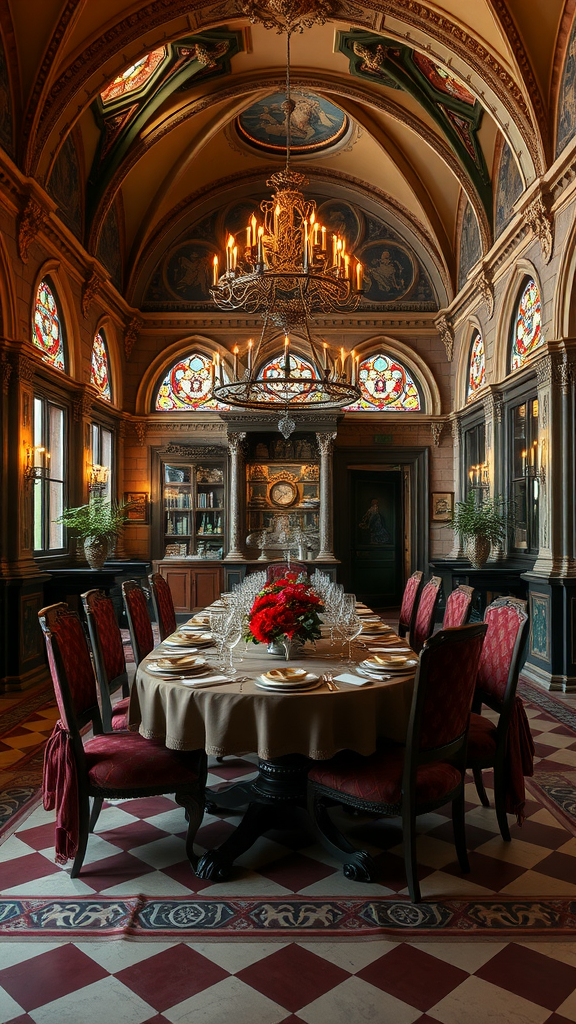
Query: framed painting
pixel 138 512
pixel 442 506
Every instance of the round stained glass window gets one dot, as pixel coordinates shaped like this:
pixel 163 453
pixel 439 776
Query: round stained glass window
pixel 386 385
pixel 187 385
pixel 47 329
pixel 527 325
pixel 100 368
pixel 477 367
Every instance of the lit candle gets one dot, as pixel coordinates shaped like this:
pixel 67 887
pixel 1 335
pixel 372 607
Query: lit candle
pixel 353 367
pixel 305 254
pixel 523 460
pixel 229 248
pixel 471 477
pixel 535 446
pixel 334 249
pixel 213 370
pixel 342 360
pixel 215 271
pixel 253 222
pixel 359 276
pixel 316 232
pixel 339 252
pixel 286 355
pixel 276 218
pixel 326 357
pixel 248 237
pixel 236 351
pixel 250 344
pixel 234 257
pixel 346 266
pixel 532 455
pixel 323 239
pixel 260 245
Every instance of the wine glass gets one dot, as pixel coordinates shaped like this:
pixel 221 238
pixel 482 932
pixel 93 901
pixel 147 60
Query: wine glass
pixel 232 636
pixel 349 628
pixel 218 624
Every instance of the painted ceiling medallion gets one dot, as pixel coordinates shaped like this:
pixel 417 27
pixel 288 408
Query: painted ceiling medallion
pixel 315 124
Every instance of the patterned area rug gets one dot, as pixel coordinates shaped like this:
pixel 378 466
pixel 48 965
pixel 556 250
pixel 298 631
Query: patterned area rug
pixel 25 725
pixel 137 882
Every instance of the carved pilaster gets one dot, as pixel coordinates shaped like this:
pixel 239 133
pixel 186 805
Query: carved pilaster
pixel 444 328
pixel 31 221
pixel 236 481
pixel 325 443
pixel 326 448
pixel 541 222
pixel 140 429
pixel 82 405
pixel 486 288
pixel 133 328
pixel 456 430
pixel 90 291
pixel 24 369
pixel 5 374
pixel 436 428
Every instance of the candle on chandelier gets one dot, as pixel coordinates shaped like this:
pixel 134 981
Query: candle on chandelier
pixel 213 371
pixel 305 254
pixel 346 266
pixel 325 357
pixel 339 252
pixel 250 346
pixel 334 249
pixel 523 460
pixel 260 245
pixel 316 233
pixel 229 250
pixel 353 367
pixel 286 355
pixel 532 455
pixel 248 237
pixel 236 351
pixel 359 276
pixel 342 360
pixel 276 218
pixel 253 223
pixel 215 271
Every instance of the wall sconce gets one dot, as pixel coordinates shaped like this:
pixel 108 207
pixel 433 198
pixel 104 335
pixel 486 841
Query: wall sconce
pixel 478 477
pixel 532 463
pixel 37 463
pixel 98 479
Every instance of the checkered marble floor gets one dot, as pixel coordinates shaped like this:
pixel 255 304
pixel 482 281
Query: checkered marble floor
pixel 139 848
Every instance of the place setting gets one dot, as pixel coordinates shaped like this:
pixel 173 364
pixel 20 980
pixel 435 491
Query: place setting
pixel 288 680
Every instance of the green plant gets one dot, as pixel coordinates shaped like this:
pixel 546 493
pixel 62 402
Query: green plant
pixel 98 519
pixel 490 517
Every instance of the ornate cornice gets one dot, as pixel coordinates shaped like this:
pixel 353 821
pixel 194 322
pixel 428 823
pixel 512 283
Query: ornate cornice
pixel 189 451
pixel 32 219
pixel 446 332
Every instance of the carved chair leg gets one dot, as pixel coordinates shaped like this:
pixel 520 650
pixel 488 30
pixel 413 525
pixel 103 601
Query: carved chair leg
pixel 97 802
pixel 83 831
pixel 459 826
pixel 358 865
pixel 500 804
pixel 194 807
pixel 410 857
pixel 477 773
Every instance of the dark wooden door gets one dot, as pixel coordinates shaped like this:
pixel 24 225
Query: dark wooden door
pixel 376 536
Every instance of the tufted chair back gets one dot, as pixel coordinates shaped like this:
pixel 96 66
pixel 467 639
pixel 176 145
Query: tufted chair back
pixel 458 607
pixel 163 605
pixel 507 622
pixel 139 623
pixel 425 614
pixel 409 603
pixel 70 667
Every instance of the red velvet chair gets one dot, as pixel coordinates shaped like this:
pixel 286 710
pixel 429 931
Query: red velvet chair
pixel 425 614
pixel 277 570
pixel 489 744
pixel 425 774
pixel 163 605
pixel 409 603
pixel 109 661
pixel 109 765
pixel 139 624
pixel 458 607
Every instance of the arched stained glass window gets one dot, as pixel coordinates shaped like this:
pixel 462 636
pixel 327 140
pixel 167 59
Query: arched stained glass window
pixel 187 386
pixel 133 77
pixel 527 325
pixel 298 366
pixel 386 386
pixel 47 332
pixel 477 365
pixel 100 367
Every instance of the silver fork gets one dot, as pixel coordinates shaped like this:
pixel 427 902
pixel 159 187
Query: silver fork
pixel 328 678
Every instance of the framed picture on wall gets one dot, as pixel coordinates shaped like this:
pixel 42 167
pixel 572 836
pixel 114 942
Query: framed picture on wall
pixel 442 506
pixel 138 513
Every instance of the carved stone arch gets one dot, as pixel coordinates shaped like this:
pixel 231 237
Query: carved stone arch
pixel 472 325
pixel 415 363
pixel 106 323
pixel 65 298
pixel 522 269
pixel 165 359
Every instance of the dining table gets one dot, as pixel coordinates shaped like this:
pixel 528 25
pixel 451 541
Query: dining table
pixel 286 730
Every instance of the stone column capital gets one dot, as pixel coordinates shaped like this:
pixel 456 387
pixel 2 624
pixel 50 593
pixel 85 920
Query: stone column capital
pixel 326 443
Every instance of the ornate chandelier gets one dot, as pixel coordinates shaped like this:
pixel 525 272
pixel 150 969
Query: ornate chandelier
pixel 289 270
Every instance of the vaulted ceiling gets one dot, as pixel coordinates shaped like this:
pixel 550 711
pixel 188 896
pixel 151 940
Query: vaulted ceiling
pixel 425 96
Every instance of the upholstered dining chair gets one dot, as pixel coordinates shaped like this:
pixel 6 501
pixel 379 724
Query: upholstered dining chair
pixel 108 765
pixel 163 605
pixel 500 746
pixel 109 661
pixel 276 570
pixel 412 780
pixel 409 603
pixel 458 607
pixel 425 614
pixel 139 625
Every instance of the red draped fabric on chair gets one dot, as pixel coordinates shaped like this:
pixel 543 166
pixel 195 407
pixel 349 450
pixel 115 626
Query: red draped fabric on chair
pixel 139 624
pixel 425 614
pixel 415 779
pixel 409 603
pixel 278 570
pixel 109 765
pixel 163 605
pixel 507 747
pixel 109 662
pixel 458 607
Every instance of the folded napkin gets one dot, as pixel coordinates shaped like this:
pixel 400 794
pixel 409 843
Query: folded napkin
pixel 205 679
pixel 347 677
pixel 390 650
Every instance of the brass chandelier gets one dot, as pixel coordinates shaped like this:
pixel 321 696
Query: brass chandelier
pixel 289 270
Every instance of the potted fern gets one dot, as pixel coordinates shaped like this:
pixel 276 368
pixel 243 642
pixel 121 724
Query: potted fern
pixel 97 524
pixel 481 524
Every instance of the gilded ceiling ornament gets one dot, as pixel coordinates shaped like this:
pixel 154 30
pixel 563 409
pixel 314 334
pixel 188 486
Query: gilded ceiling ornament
pixel 206 55
pixel 372 57
pixel 288 15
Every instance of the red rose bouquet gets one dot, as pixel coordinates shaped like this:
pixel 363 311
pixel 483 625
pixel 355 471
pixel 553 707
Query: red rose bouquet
pixel 287 608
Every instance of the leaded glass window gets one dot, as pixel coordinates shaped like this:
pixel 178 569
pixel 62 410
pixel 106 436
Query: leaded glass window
pixel 47 332
pixel 299 367
pixel 477 365
pixel 187 386
pixel 49 493
pixel 527 326
pixel 100 367
pixel 386 386
pixel 134 77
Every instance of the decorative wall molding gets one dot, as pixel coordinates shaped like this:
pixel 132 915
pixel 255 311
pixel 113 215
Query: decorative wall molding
pixel 436 428
pixel 445 330
pixel 236 442
pixel 189 451
pixel 486 289
pixel 32 219
pixel 5 374
pixel 133 328
pixel 90 290
pixel 456 426
pixel 83 404
pixel 140 429
pixel 25 369
pixel 541 222
pixel 543 370
pixel 326 443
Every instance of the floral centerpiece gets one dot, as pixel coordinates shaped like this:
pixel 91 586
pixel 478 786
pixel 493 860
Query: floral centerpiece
pixel 285 614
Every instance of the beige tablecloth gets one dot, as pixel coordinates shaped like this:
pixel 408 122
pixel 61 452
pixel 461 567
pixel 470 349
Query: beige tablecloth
pixel 224 720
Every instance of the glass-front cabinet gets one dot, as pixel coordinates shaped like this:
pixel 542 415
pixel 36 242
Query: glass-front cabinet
pixel 194 512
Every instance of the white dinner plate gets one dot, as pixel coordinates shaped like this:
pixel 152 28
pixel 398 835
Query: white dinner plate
pixel 312 682
pixel 408 667
pixel 155 670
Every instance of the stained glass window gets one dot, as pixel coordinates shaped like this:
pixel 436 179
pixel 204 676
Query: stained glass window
pixel 527 325
pixel 100 368
pixel 477 365
pixel 187 386
pixel 386 386
pixel 299 367
pixel 47 332
pixel 133 77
